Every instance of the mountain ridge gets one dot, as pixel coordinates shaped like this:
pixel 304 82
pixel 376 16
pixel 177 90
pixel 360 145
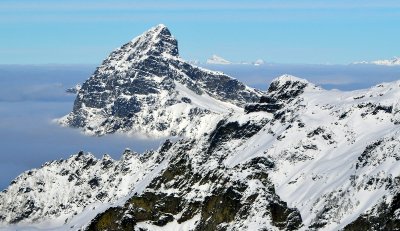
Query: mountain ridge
pixel 324 162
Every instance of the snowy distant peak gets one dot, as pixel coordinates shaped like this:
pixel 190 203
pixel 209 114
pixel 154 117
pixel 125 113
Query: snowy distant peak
pixel 218 60
pixel 259 62
pixel 385 62
pixel 360 62
pixel 215 59
pixel 388 62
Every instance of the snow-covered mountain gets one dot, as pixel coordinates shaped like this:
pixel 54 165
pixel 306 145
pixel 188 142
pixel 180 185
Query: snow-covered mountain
pixel 145 87
pixel 259 62
pixel 386 62
pixel 215 59
pixel 302 158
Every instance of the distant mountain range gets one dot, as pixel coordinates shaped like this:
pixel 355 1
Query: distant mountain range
pixel 386 62
pixel 296 157
pixel 215 59
pixel 218 60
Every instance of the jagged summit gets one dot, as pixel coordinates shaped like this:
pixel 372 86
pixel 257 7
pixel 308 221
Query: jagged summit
pixel 283 90
pixel 157 41
pixel 144 87
pixel 288 86
pixel 289 78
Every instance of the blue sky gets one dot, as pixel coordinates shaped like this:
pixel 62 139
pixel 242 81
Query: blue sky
pixel 335 32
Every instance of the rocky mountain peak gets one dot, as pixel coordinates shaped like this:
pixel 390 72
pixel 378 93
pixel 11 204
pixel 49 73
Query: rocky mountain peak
pixel 156 42
pixel 285 87
pixel 281 91
pixel 145 87
pixel 284 82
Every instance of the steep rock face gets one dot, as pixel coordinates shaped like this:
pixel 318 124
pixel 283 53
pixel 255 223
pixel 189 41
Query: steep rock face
pixel 145 87
pixel 282 91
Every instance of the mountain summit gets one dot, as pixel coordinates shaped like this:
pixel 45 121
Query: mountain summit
pixel 157 41
pixel 145 87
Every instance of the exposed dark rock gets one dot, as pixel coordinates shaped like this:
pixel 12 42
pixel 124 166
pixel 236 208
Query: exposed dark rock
pixel 386 109
pixel 256 107
pixel 186 100
pixel 343 115
pixel 29 208
pixel 284 217
pixel 280 91
pixel 213 214
pixel 226 131
pixel 316 132
pixel 383 217
pixel 260 163
pixel 125 107
pixel 310 146
pixel 366 155
pixel 95 182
